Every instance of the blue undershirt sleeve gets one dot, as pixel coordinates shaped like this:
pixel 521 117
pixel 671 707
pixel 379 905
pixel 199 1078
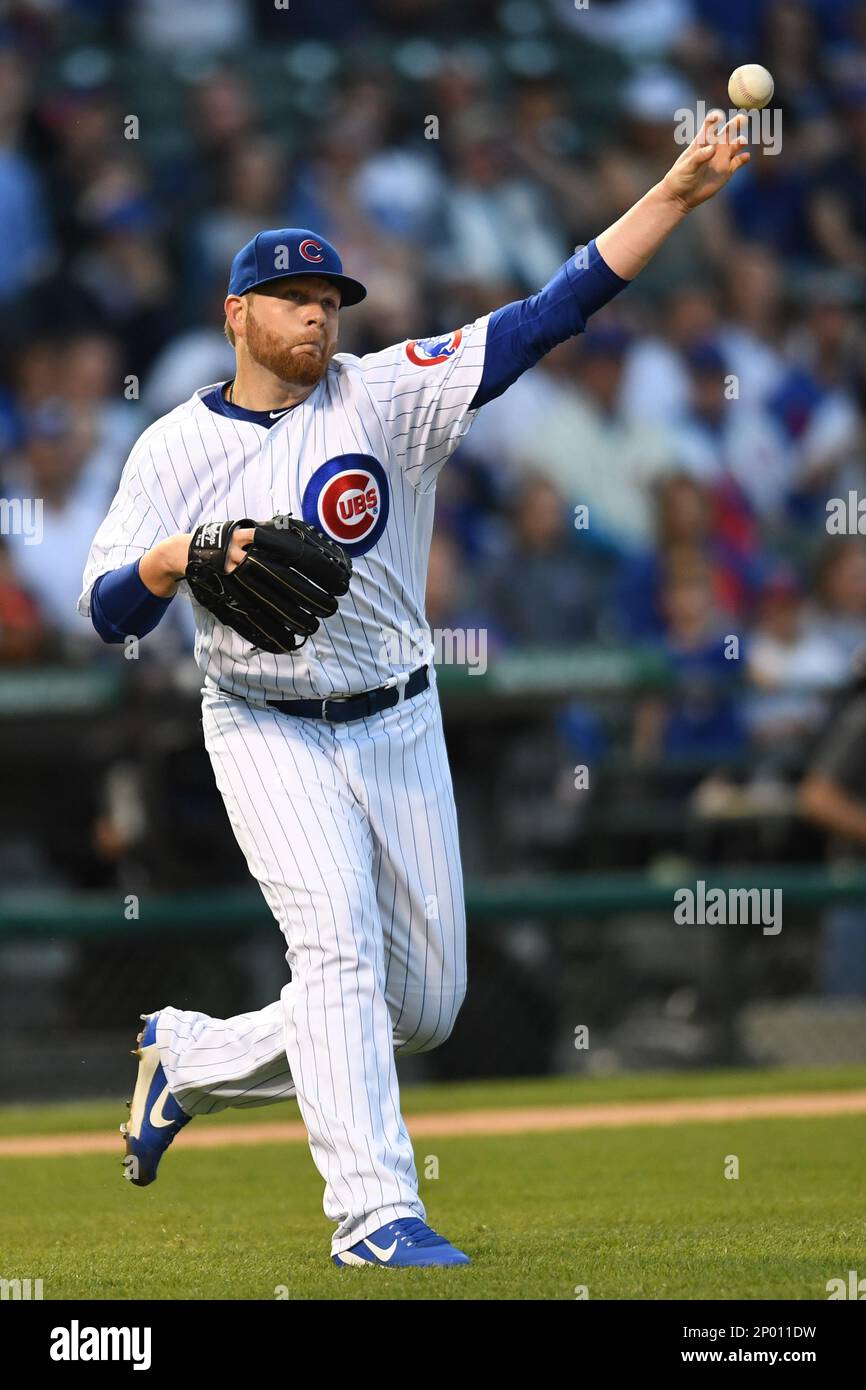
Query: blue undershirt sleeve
pixel 121 605
pixel 519 334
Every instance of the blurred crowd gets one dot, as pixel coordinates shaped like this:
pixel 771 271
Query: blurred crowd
pixel 662 480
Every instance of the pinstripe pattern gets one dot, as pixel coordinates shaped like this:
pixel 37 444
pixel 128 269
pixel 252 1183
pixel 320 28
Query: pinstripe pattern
pixel 195 465
pixel 351 832
pixel 351 829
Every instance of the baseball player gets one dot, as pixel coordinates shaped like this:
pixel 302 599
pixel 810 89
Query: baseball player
pixel 294 504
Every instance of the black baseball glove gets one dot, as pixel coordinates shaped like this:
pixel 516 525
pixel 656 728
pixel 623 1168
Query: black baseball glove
pixel 288 581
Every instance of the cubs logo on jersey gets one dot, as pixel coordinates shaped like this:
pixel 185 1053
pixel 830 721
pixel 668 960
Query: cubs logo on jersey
pixel 347 498
pixel 429 352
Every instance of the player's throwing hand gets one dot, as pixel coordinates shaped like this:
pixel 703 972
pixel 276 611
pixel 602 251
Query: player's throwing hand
pixel 706 165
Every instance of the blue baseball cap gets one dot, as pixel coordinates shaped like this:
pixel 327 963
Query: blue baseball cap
pixel 288 253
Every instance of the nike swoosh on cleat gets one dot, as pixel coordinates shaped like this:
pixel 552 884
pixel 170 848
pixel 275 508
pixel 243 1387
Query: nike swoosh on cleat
pixel 383 1255
pixel 157 1118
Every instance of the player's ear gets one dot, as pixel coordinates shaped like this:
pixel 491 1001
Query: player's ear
pixel 236 312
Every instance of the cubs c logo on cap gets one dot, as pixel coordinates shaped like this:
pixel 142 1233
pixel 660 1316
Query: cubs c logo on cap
pixel 311 250
pixel 429 352
pixel 347 498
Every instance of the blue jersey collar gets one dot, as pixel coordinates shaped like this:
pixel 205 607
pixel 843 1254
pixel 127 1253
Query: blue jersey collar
pixel 216 401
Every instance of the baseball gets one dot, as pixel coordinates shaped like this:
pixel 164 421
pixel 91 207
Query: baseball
pixel 750 87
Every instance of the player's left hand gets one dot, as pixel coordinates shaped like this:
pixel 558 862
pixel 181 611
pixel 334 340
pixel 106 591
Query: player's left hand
pixel 275 585
pixel 706 165
pixel 242 537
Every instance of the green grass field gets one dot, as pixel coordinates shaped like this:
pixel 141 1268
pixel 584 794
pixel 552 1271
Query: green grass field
pixel 643 1212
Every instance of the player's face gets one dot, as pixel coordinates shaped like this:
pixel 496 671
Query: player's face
pixel 291 328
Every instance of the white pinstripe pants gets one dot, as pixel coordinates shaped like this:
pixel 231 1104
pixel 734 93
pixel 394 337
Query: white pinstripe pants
pixel 351 832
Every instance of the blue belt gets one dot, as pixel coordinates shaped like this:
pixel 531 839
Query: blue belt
pixel 339 709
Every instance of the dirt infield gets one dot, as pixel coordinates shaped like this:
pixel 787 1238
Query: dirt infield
pixel 449 1124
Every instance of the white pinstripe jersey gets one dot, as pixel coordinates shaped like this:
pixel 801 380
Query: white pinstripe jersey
pixel 359 458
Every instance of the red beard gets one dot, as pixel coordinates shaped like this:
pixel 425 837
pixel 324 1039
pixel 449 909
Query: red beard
pixel 279 357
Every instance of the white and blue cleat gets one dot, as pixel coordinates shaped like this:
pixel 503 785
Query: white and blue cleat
pixel 155 1118
pixel 404 1244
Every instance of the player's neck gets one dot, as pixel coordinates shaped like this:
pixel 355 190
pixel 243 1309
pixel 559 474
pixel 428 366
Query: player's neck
pixel 253 389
